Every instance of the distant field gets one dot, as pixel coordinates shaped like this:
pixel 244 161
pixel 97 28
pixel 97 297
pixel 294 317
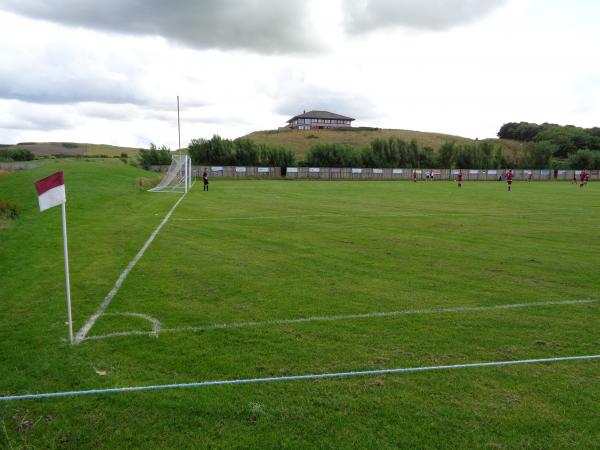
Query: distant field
pixel 75 149
pixel 265 278
pixel 302 140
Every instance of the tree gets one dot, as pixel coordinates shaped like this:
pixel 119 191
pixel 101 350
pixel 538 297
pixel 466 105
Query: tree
pixel 538 155
pixel 446 154
pixel 154 156
pixel 585 159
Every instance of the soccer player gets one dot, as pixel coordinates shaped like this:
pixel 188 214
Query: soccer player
pixel 509 178
pixel 529 177
pixel 459 178
pixel 582 178
pixel 205 180
pixel 414 176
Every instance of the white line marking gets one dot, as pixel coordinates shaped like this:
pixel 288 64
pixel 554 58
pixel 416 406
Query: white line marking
pixel 440 214
pixel 82 333
pixel 155 325
pixel 349 317
pixel 299 377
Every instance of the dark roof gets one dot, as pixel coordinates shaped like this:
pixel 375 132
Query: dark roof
pixel 320 115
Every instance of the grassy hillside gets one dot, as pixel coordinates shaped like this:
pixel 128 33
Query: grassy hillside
pixel 235 270
pixel 302 140
pixel 75 149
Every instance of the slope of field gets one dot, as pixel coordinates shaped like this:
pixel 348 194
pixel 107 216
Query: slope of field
pixel 75 149
pixel 261 279
pixel 302 140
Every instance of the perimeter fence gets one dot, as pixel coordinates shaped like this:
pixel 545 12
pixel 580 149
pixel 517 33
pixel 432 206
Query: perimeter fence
pixel 343 173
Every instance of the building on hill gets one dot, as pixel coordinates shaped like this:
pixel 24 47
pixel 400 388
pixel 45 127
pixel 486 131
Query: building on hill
pixel 314 120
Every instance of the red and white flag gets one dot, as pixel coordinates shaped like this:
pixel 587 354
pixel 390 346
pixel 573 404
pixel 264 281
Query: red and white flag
pixel 51 191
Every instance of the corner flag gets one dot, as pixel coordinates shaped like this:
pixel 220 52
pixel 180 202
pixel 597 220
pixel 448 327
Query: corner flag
pixel 51 192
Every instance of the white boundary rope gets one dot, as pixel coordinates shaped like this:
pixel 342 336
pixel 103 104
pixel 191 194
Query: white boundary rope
pixel 297 377
pixel 82 333
pixel 219 326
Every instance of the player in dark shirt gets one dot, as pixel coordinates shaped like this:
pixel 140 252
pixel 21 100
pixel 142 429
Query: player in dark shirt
pixel 459 178
pixel 205 180
pixel 509 178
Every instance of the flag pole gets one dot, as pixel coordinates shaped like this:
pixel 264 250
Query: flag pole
pixel 64 227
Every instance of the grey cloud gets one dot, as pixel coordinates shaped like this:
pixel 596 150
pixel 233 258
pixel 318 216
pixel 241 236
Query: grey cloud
pixel 72 73
pixel 436 15
pixel 34 119
pixel 269 26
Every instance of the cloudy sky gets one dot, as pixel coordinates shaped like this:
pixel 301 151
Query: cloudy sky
pixel 109 72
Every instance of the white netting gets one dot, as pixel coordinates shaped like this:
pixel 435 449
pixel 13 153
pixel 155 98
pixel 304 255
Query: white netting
pixel 174 178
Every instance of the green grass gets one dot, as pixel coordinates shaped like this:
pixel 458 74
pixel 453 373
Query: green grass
pixel 267 250
pixel 302 140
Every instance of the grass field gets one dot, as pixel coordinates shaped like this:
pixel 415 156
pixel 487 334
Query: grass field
pixel 233 269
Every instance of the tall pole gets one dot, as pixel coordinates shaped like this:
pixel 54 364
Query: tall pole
pixel 178 126
pixel 64 226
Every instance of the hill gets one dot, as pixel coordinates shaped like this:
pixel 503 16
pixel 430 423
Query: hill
pixel 302 140
pixel 74 149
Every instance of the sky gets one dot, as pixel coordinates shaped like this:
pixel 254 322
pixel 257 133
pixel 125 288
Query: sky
pixel 109 72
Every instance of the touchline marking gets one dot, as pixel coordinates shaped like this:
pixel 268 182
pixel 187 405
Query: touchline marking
pixel 346 317
pixel 297 377
pixel 82 333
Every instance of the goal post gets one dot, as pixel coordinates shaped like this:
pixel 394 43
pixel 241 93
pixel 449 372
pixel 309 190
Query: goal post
pixel 178 177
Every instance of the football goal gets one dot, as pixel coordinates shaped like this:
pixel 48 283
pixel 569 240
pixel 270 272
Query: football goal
pixel 179 176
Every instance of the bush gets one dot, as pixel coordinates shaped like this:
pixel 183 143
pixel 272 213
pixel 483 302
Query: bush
pixel 154 156
pixel 16 154
pixel 244 152
pixel 585 159
pixel 538 155
pixel 276 156
pixel 214 151
pixel 9 210
pixel 333 155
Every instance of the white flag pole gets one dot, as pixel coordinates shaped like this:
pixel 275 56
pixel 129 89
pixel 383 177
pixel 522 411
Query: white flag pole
pixel 64 224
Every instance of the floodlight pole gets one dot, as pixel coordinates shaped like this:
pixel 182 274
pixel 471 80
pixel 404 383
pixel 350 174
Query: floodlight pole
pixel 178 126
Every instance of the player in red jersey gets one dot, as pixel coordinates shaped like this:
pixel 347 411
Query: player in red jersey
pixel 529 177
pixel 459 178
pixel 509 178
pixel 414 176
pixel 582 176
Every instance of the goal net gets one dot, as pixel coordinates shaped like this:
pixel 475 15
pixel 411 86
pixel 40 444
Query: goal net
pixel 179 176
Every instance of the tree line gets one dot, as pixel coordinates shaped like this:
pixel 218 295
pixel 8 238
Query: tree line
pixel 395 152
pixel 555 146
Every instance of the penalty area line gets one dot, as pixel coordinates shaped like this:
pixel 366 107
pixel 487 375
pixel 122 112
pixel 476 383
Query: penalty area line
pixel 297 377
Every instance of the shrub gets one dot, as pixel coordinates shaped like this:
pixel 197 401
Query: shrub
pixel 585 159
pixel 154 156
pixel 9 210
pixel 16 154
pixel 333 155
